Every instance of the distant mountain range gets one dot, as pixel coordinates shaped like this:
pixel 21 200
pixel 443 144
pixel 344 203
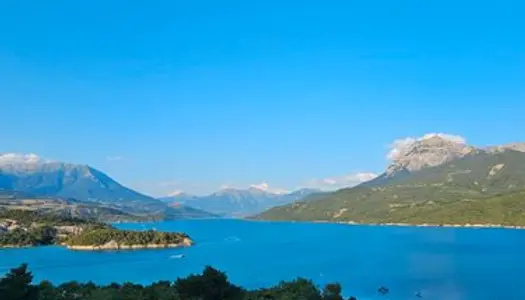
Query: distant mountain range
pixel 434 180
pixel 237 202
pixel 81 183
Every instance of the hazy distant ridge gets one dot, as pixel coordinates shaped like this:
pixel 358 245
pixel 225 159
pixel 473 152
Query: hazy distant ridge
pixel 238 202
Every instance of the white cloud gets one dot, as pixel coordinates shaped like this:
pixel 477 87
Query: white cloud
pixel 399 147
pixel 175 193
pixel 260 186
pixel 170 188
pixel 361 177
pixel 335 183
pixel 114 158
pixel 19 158
pixel 263 186
pixel 330 181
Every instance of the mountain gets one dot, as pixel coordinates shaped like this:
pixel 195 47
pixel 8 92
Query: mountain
pixel 432 181
pixel 429 152
pixel 238 203
pixel 63 180
pixel 78 182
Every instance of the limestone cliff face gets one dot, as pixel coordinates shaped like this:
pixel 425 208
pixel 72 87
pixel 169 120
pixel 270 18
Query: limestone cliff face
pixel 428 152
pixel 435 150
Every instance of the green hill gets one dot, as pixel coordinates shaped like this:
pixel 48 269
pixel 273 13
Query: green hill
pixel 484 187
pixel 103 212
pixel 71 209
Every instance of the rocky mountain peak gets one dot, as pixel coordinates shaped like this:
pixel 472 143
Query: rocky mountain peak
pixel 428 151
pixel 17 163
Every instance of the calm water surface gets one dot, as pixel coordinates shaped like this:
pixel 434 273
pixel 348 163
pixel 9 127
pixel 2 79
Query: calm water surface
pixel 442 263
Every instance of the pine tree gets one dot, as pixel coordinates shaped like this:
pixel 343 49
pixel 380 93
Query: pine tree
pixel 16 285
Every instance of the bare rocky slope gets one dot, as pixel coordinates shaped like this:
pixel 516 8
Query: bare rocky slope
pixel 429 152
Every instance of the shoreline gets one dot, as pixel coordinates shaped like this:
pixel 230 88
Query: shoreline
pixel 124 247
pixel 113 245
pixel 110 246
pixel 394 224
pixel 468 225
pixel 19 247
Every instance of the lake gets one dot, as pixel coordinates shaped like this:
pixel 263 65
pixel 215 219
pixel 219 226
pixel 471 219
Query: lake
pixel 442 263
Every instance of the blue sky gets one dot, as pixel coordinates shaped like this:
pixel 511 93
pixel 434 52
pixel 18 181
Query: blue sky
pixel 194 95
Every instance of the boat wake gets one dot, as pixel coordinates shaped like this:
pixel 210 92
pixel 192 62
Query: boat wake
pixel 232 239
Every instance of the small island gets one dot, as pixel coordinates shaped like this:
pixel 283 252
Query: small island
pixel 23 228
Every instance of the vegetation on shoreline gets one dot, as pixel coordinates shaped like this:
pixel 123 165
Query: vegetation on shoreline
pixel 28 218
pixel 40 236
pixel 501 210
pixel 22 228
pixel 98 237
pixel 210 285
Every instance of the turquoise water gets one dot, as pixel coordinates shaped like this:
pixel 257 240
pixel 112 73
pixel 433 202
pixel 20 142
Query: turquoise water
pixel 443 263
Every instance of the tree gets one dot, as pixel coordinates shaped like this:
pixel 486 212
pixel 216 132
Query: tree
pixel 332 291
pixel 45 235
pixel 46 291
pixel 16 285
pixel 162 290
pixel 211 285
pixel 298 289
pixel 102 294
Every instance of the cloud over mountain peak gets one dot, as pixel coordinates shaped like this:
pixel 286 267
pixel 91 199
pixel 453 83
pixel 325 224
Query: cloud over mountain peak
pixel 19 158
pixel 338 182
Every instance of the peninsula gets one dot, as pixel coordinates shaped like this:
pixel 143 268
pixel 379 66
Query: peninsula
pixel 114 239
pixel 22 228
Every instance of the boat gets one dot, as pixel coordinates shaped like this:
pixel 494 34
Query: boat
pixel 177 256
